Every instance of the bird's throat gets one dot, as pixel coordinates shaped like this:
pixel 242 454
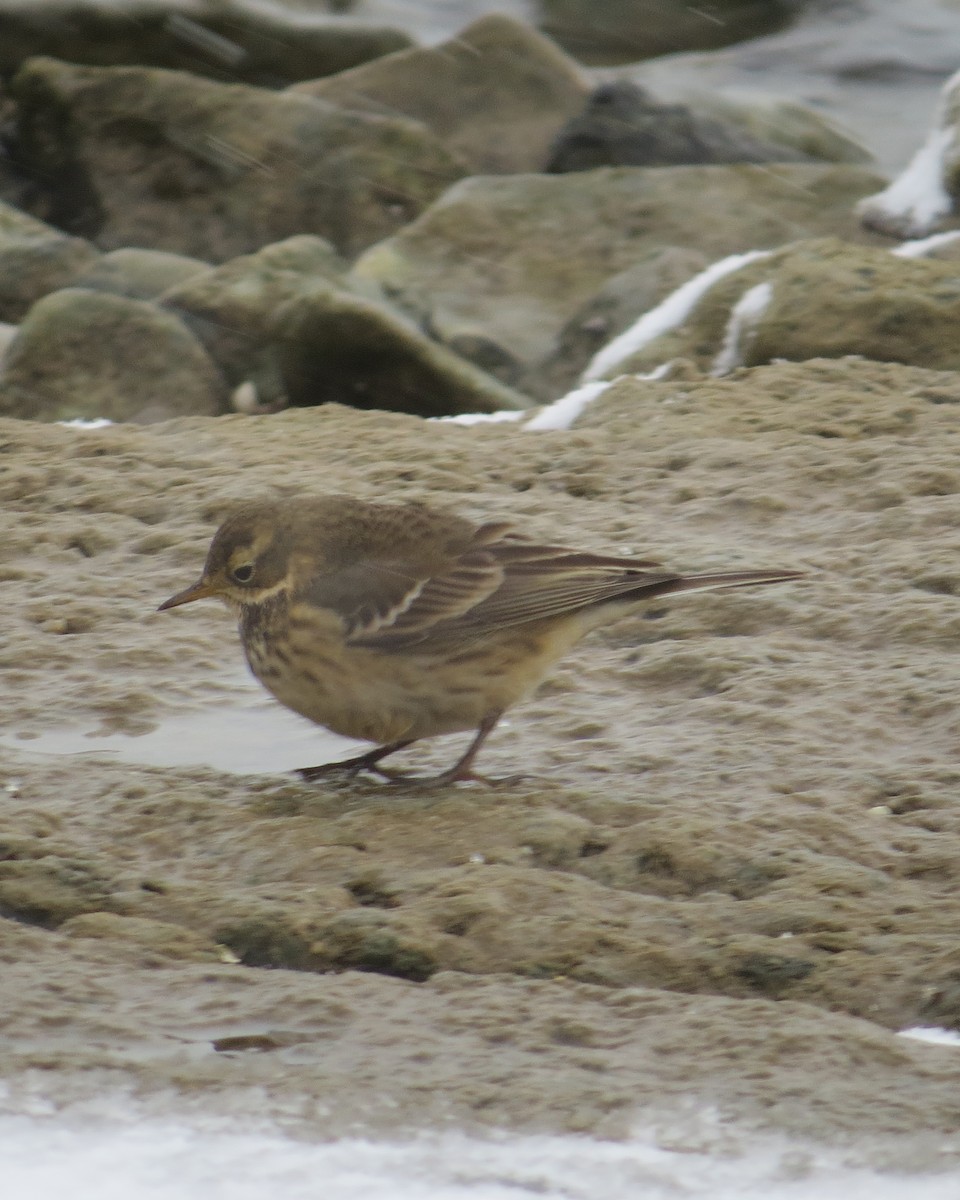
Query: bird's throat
pixel 264 617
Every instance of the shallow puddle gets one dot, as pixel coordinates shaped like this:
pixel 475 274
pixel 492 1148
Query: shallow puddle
pixel 256 735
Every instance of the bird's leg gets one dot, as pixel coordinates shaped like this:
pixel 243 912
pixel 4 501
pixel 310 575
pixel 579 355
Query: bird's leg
pixel 353 766
pixel 462 768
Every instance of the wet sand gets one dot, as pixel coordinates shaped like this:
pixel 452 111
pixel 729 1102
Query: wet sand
pixel 728 875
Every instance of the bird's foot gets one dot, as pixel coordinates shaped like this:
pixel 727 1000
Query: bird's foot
pixel 461 771
pixel 351 767
pixel 454 776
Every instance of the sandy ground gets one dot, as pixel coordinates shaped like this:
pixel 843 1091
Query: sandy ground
pixel 728 876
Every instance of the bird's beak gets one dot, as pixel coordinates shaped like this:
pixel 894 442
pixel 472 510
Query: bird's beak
pixel 196 591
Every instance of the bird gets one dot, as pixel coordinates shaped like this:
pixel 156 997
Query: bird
pixel 393 622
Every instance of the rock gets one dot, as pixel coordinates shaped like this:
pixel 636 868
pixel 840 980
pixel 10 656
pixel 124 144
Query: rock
pixel 559 839
pixel 140 274
pixel 233 309
pixel 831 299
pixel 373 940
pixel 81 353
pixel 158 937
pixel 625 30
pixel 363 940
pixel 483 270
pixel 281 325
pixel 622 125
pixel 7 334
pixel 341 348
pixel 880 85
pixel 822 298
pixel 161 159
pixel 771 973
pixel 496 94
pixel 614 308
pixel 267 939
pixel 15 188
pixel 49 888
pixel 241 40
pixel 782 122
pixel 35 259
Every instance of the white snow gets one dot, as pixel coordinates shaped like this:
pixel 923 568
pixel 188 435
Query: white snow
pixel 743 320
pixel 559 414
pixel 480 418
pixel 917 199
pixel 155 1159
pixel 244 397
pixel 7 334
pixel 657 372
pixel 86 423
pixel 923 246
pixel 667 315
pixel 562 413
pixel 930 1033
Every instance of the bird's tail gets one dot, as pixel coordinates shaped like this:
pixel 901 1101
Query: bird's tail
pixel 714 580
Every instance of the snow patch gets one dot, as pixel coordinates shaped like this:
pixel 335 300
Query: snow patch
pixel 920 247
pixel 742 324
pixel 918 198
pixel 667 315
pixel 930 1033
pixel 493 418
pixel 156 1159
pixel 562 413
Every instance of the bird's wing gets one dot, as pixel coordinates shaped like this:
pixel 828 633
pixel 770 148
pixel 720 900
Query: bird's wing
pixel 388 603
pixel 549 581
pixel 392 605
pixel 495 581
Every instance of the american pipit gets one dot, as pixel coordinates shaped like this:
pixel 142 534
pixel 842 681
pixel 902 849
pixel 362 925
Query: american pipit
pixel 395 622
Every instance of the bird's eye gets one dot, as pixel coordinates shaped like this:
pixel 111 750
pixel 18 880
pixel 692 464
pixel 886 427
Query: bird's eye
pixel 243 573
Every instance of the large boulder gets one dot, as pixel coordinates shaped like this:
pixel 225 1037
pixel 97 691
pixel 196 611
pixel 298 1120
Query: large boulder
pixel 496 94
pixel 622 125
pixel 283 325
pixel 165 160
pixel 823 298
pixel 141 274
pixel 625 30
pixel 233 309
pixel 875 75
pixel 81 353
pixel 338 347
pixel 782 121
pixel 499 266
pixel 241 40
pixel 35 259
pixel 614 308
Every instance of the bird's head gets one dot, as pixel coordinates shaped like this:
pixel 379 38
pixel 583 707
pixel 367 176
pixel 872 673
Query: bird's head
pixel 248 561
